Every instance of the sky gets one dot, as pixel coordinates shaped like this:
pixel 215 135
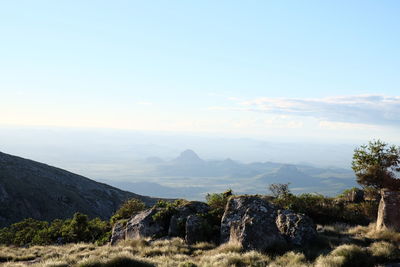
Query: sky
pixel 318 70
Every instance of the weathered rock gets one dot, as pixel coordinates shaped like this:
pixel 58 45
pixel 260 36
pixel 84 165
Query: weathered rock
pixel 143 225
pixel 355 196
pixel 178 220
pixel 194 229
pixel 174 226
pixel 298 229
pixel 250 221
pixel 118 233
pixel 389 211
pixel 172 223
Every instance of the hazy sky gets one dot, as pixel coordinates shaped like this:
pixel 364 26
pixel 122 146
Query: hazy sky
pixel 327 70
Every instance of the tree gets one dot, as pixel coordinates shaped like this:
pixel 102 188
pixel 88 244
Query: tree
pixel 377 165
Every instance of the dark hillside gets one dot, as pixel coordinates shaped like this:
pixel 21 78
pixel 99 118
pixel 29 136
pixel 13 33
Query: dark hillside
pixel 43 192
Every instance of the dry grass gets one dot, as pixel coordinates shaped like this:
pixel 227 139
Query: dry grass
pixel 338 245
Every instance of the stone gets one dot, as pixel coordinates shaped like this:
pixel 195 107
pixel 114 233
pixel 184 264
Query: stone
pixel 389 210
pixel 194 230
pixel 143 225
pixel 355 196
pixel 298 229
pixel 118 233
pixel 171 224
pixel 178 220
pixel 173 229
pixel 250 221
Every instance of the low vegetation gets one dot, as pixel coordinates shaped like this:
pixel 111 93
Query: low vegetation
pixel 337 245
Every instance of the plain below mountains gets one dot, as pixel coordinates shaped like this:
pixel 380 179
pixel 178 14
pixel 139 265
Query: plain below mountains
pixel 36 190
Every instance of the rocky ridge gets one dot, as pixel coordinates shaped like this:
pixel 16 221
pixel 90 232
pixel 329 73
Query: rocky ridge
pixel 251 221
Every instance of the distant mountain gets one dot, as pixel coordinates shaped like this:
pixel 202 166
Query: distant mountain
pixel 188 157
pixel 288 173
pixel 36 190
pixel 195 177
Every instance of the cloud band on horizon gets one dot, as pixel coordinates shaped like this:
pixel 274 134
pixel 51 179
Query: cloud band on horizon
pixel 364 109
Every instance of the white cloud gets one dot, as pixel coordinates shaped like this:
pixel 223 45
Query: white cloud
pixel 358 109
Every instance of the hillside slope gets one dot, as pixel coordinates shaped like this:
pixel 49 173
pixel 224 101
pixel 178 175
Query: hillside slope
pixel 33 189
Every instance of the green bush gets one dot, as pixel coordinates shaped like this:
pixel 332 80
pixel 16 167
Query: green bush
pixel 128 209
pixel 217 202
pixel 326 210
pixel 78 229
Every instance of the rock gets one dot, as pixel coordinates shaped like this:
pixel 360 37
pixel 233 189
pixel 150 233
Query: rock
pixel 178 220
pixel 118 233
pixel 172 223
pixel 257 224
pixel 389 210
pixel 298 229
pixel 355 196
pixel 194 232
pixel 143 225
pixel 174 229
pixel 250 221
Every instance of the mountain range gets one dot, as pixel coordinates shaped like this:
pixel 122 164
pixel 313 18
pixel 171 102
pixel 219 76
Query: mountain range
pixel 192 177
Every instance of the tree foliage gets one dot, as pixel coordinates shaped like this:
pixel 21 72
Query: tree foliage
pixel 377 165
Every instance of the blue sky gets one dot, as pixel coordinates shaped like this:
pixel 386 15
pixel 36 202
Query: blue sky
pixel 292 69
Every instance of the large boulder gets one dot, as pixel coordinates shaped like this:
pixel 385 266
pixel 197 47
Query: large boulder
pixel 143 225
pixel 389 210
pixel 194 230
pixel 298 229
pixel 178 220
pixel 250 221
pixel 118 233
pixel 257 224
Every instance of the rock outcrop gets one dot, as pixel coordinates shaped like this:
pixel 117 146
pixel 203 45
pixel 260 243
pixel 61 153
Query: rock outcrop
pixel 118 233
pixel 194 230
pixel 389 211
pixel 144 225
pixel 257 224
pixel 250 220
pixel 298 229
pixel 355 196
pixel 182 221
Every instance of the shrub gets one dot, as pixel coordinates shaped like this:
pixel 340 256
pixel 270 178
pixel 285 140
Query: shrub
pixel 325 210
pixel 128 209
